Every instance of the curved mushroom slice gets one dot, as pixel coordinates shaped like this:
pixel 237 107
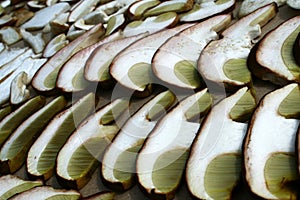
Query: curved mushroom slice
pixel 114 23
pixel 118 164
pixel 55 44
pixel 274 58
pixel 42 154
pixel 138 8
pixel 12 185
pixel 70 77
pixel 45 78
pixel 162 159
pixel 170 6
pixel 269 150
pixel 101 196
pixel 225 61
pixel 97 65
pixel 59 24
pixel 18 89
pixel 83 8
pixel 214 166
pixel 132 67
pixel 175 61
pixel 206 8
pixel 293 4
pixel 5 111
pixel 248 6
pixel 36 42
pixel 151 24
pixel 47 192
pixel 8 55
pixel 13 152
pixel 9 35
pixel 81 155
pixel 296 49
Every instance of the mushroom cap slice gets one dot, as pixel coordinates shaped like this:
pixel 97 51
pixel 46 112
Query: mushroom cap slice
pixel 132 67
pixel 162 159
pixel 83 8
pixel 215 163
pixel 118 164
pixel 18 88
pixel 42 154
pixel 225 61
pixel 175 61
pixel 5 111
pixel 9 35
pixel 9 54
pixel 269 149
pixel 248 6
pixel 81 155
pixel 54 45
pixel 137 9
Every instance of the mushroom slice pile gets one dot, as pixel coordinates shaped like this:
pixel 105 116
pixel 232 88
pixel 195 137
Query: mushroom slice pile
pixel 81 155
pixel 14 151
pixel 274 56
pixel 203 9
pixel 45 79
pixel 12 185
pixel 132 67
pixel 225 61
pixel 162 159
pixel 248 6
pixel 215 163
pixel 118 165
pixel 175 62
pixel 42 154
pixel 269 149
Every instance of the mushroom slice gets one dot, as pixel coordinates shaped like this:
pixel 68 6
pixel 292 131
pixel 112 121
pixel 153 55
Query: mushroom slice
pixel 59 24
pixel 7 20
pixel 175 61
pixel 70 77
pixel 9 54
pixel 138 8
pixel 55 45
pixel 12 185
pixel 225 61
pixel 293 4
pixel 81 155
pixel 14 151
pixel 101 196
pixel 14 119
pixel 45 15
pixel 114 23
pixel 296 49
pixel 9 35
pixel 47 192
pixel 170 6
pixel 35 5
pixel 274 59
pixel 45 78
pixel 151 24
pixel 22 15
pixel 269 149
pixel 42 154
pixel 97 65
pixel 161 162
pixel 132 67
pixel 215 163
pixel 80 24
pixel 118 164
pixel 36 42
pixel 248 6
pixel 18 89
pixel 206 8
pixel 5 111
pixel 83 8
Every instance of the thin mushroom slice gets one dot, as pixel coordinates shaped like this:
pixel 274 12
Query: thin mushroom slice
pixel 9 35
pixel 214 166
pixel 114 23
pixel 224 61
pixel 45 79
pixel 161 162
pixel 132 67
pixel 269 149
pixel 82 153
pixel 4 112
pixel 36 42
pixel 14 151
pixel 175 61
pixel 42 154
pixel 9 54
pixel 70 77
pixel 293 4
pixel 12 185
pixel 18 89
pixel 54 45
pixel 274 60
pixel 118 164
pixel 83 8
pixel 249 6
pixel 204 9
pixel 138 8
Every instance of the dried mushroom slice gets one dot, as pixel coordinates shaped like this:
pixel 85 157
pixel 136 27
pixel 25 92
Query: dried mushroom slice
pixel 118 164
pixel 19 92
pixel 42 154
pixel 47 192
pixel 175 61
pixel 54 45
pixel 114 23
pixel 132 67
pixel 81 155
pixel 225 61
pixel 9 35
pixel 214 166
pixel 36 42
pixel 12 185
pixel 14 151
pixel 83 8
pixel 204 9
pixel 4 112
pixel 275 60
pixel 45 79
pixel 137 9
pixel 14 119
pixel 162 159
pixel 248 6
pixel 269 149
pixel 293 4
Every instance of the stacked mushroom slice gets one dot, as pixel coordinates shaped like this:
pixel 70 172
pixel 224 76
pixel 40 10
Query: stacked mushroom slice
pixel 214 166
pixel 269 150
pixel 248 6
pixel 162 159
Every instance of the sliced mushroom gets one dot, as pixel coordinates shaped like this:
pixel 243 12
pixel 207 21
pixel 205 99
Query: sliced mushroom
pixel 114 23
pixel 55 45
pixel 9 35
pixel 82 9
pixel 7 55
pixel 138 8
pixel 80 24
pixel 5 111
pixel 59 24
pixel 22 15
pixel 293 4
pixel 18 89
pixel 296 49
pixel 249 6
pixel 35 5
pixel 36 42
pixel 7 20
